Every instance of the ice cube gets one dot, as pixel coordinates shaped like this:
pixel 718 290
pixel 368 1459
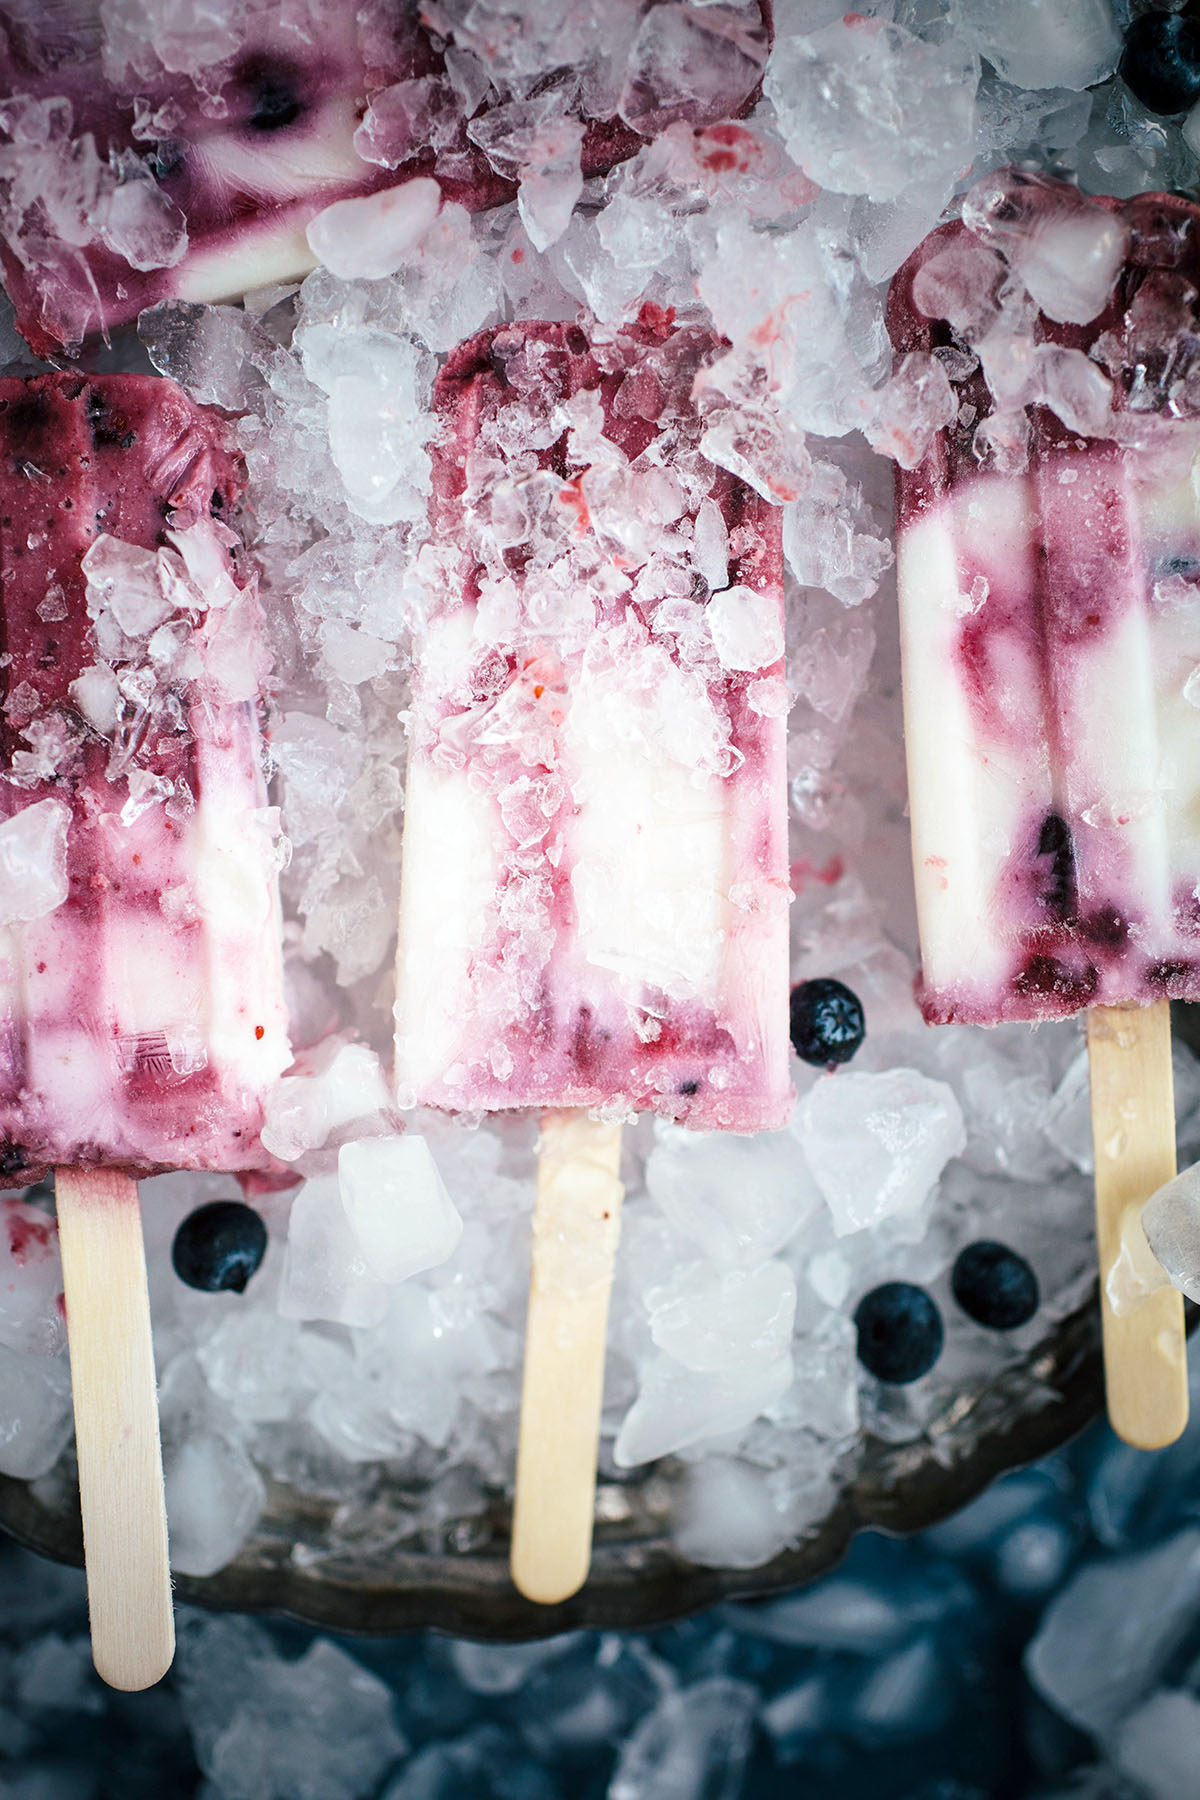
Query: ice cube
pixel 961 285
pixel 126 582
pixel 215 1498
pixel 1136 1272
pixel 870 1607
pixel 503 1668
pixel 911 409
pixel 739 1198
pixel 141 223
pixel 342 1086
pixel 746 628
pixel 677 1407
pixel 1171 1222
pixel 1066 249
pixel 551 183
pixel 694 1741
pixel 412 1375
pixel 410 118
pixel 56 1674
pixel 868 107
pixel 698 64
pixel 35 1413
pixel 1106 1639
pixel 908 1695
pixel 255 1360
pixel 486 1760
pixel 1046 43
pixel 1067 1121
pixel 33 861
pixel 397 1205
pixel 735 1320
pixel 369 237
pixel 1158 1746
pixel 536 141
pixel 326 1274
pixel 877 1143
pixel 725 1517
pixel 32 1320
pixel 269 1727
pixel 831 540
pixel 797 1717
pixel 209 350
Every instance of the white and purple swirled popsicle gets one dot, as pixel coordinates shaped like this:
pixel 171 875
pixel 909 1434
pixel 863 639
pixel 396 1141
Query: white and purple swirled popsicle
pixel 182 153
pixel 1049 572
pixel 594 892
pixel 141 1000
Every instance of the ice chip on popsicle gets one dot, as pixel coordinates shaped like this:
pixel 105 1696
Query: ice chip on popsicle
pixel 1050 606
pixel 186 156
pixel 141 1009
pixel 594 892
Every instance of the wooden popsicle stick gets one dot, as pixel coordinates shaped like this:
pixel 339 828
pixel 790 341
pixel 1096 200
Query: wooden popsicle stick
pixel 576 1225
pixel 116 1426
pixel 1133 1137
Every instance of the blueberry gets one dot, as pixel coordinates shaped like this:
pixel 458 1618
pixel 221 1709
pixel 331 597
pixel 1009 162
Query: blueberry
pixel 994 1286
pixel 899 1332
pixel 219 1246
pixel 826 1022
pixel 272 89
pixel 1161 61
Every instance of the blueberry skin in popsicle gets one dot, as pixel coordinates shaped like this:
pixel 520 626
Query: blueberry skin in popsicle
pixel 244 175
pixel 141 1017
pixel 1050 622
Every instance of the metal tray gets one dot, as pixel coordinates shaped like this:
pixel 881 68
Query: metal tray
pixel 638 1578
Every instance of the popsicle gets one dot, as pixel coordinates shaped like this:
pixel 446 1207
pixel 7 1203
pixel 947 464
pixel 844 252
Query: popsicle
pixel 123 185
pixel 593 910
pixel 140 968
pixel 1048 555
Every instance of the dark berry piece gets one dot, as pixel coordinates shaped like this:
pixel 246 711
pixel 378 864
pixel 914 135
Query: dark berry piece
pixel 1161 61
pixel 273 91
pixel 827 1023
pixel 994 1286
pixel 1054 843
pixel 219 1246
pixel 900 1332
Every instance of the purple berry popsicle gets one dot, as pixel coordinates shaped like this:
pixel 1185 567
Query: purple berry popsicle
pixel 125 180
pixel 594 894
pixel 1048 556
pixel 1050 603
pixel 140 972
pixel 141 994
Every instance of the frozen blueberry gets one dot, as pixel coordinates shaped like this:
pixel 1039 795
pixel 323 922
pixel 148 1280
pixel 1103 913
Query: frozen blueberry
pixel 994 1286
pixel 826 1022
pixel 899 1332
pixel 219 1246
pixel 1161 61
pixel 273 90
